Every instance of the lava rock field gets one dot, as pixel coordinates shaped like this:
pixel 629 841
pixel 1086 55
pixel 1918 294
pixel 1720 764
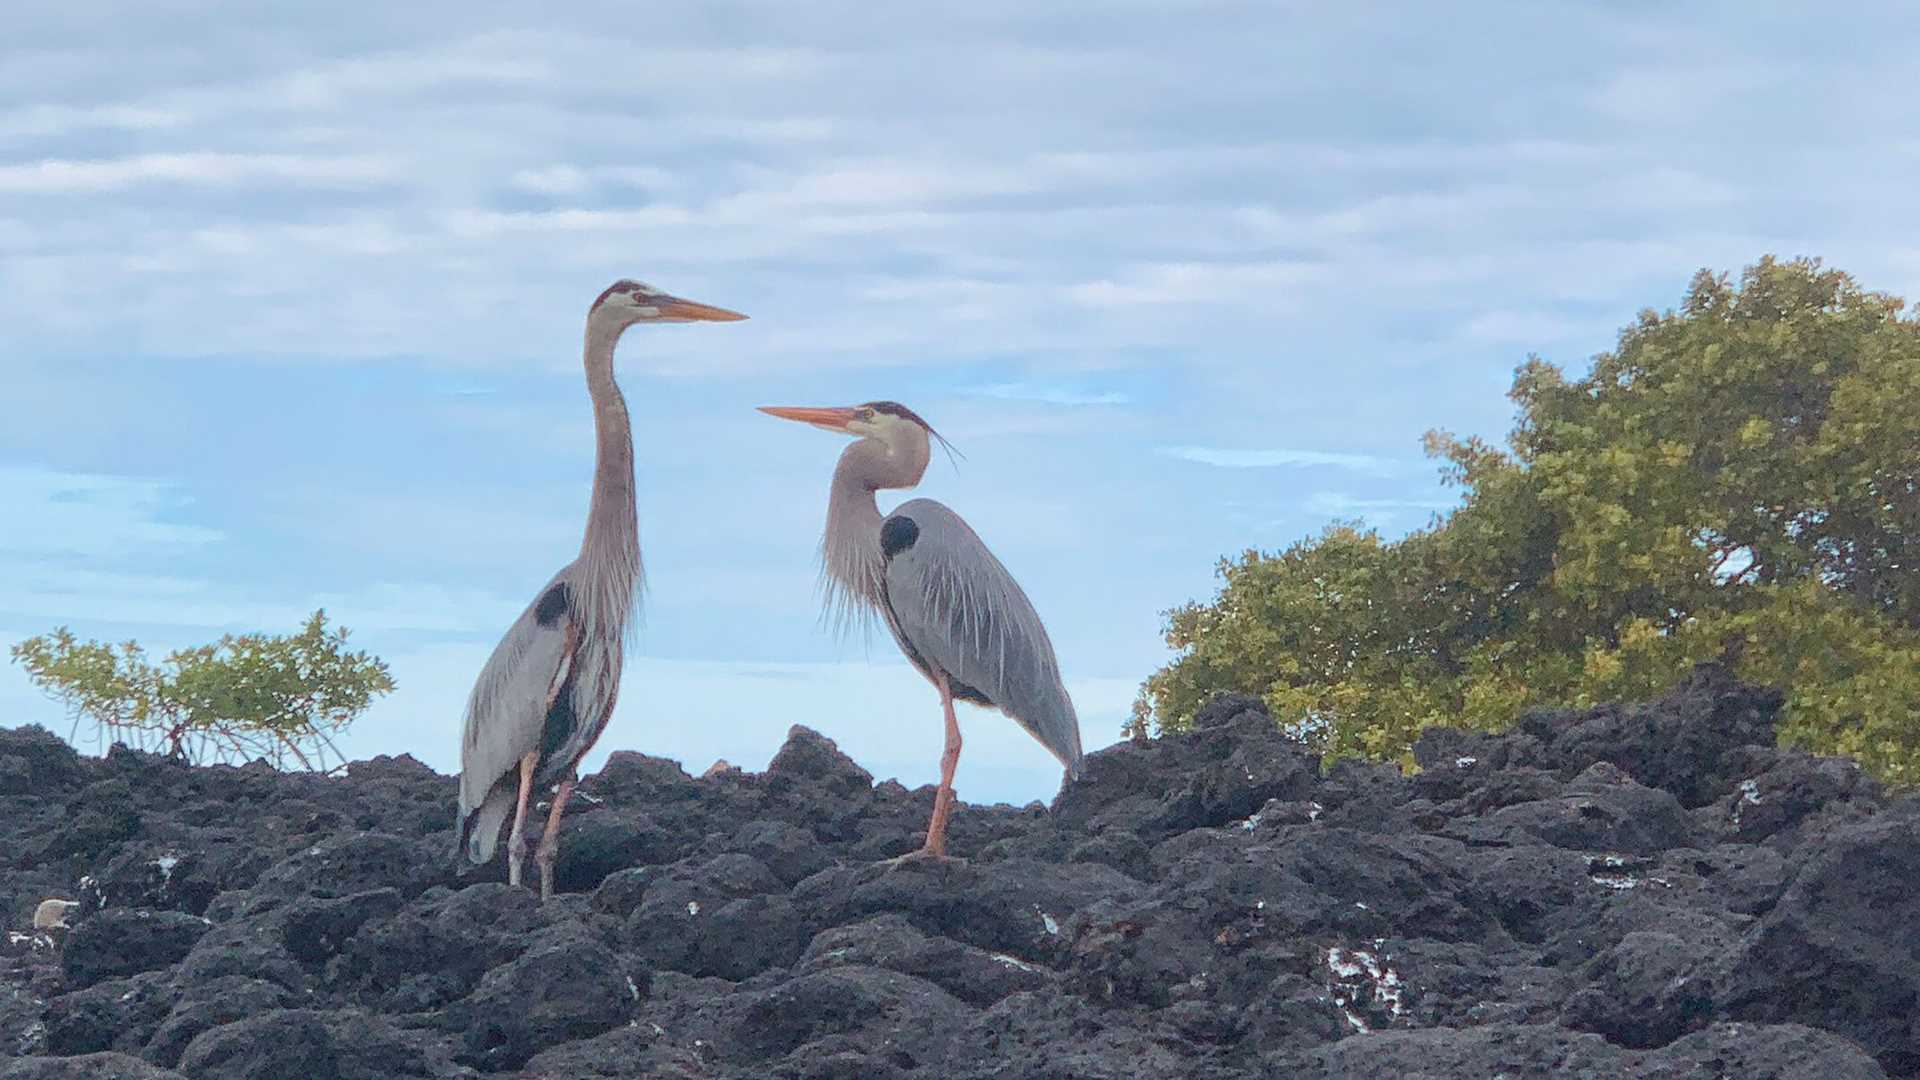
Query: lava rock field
pixel 1653 890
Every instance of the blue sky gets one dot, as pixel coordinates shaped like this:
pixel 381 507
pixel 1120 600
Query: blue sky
pixel 291 303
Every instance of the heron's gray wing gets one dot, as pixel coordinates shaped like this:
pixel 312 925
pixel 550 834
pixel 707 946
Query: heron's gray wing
pixel 507 710
pixel 954 606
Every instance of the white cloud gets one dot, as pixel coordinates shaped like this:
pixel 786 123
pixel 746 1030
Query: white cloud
pixel 68 594
pixel 1378 511
pixel 1195 283
pixel 1530 328
pixel 39 121
pixel 1050 394
pixel 202 169
pixel 574 180
pixel 1270 459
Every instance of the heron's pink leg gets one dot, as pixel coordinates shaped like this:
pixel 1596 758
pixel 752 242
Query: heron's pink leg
pixel 936 844
pixel 517 839
pixel 550 840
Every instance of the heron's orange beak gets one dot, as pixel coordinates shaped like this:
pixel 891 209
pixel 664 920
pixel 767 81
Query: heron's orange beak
pixel 827 419
pixel 673 307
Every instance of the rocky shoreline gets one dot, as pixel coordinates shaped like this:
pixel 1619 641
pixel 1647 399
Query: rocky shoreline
pixel 1642 890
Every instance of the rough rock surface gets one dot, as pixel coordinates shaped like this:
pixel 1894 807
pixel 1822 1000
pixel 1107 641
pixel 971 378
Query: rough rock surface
pixel 1650 891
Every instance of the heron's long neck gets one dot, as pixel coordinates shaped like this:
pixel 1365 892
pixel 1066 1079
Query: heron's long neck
pixel 851 549
pixel 610 553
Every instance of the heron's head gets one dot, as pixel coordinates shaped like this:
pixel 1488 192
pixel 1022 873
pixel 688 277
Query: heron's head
pixel 887 421
pixel 904 434
pixel 625 303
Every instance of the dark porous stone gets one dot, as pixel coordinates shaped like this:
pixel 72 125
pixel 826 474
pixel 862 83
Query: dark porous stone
pixel 1760 1052
pixel 114 1015
pixel 1839 950
pixel 1688 743
pixel 101 1066
pixel 1644 992
pixel 792 853
pixel 863 1009
pixel 628 1051
pixel 202 1008
pixel 1649 890
pixel 973 975
pixel 125 941
pixel 315 929
pixel 601 841
pixel 810 759
pixel 282 1043
pixel 34 760
pixel 568 985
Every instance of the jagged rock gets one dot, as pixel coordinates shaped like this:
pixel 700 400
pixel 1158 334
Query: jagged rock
pixel 1839 950
pixel 1603 810
pixel 227 1000
pixel 35 760
pixel 1014 906
pixel 1644 992
pixel 869 1011
pixel 722 916
pixel 792 853
pixel 438 949
pixel 123 941
pixel 349 865
pixel 1688 743
pixel 567 985
pixel 251 949
pixel 624 1052
pixel 1653 890
pixel 346 1045
pixel 601 841
pixel 102 1066
pixel 810 759
pixel 115 1015
pixel 285 1042
pixel 973 975
pixel 1759 1052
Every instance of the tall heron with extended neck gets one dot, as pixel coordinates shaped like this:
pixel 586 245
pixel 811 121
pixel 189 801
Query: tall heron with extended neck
pixel 956 613
pixel 549 688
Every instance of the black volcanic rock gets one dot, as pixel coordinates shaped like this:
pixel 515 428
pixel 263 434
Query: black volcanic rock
pixel 1841 948
pixel 1652 890
pixel 127 941
pixel 101 1066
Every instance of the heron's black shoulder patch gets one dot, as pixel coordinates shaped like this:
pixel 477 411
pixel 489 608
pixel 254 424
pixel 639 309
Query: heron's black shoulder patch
pixel 897 534
pixel 553 604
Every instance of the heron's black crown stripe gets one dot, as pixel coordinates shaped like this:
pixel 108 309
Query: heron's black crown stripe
pixel 553 604
pixel 894 408
pixel 897 534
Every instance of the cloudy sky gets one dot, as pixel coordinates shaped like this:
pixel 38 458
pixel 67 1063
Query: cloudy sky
pixel 291 302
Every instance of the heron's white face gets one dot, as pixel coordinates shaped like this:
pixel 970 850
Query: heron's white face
pixel 629 302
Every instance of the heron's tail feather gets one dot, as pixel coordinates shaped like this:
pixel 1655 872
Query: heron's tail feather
pixel 480 832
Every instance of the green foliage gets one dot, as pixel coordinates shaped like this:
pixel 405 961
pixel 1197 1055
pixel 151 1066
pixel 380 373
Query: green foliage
pixel 1738 480
pixel 279 697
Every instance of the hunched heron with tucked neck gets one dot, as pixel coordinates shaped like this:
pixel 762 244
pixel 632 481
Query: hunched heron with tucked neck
pixel 954 610
pixel 549 689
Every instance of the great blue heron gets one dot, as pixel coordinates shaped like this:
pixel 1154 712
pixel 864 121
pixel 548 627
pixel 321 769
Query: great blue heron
pixel 549 688
pixel 954 610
